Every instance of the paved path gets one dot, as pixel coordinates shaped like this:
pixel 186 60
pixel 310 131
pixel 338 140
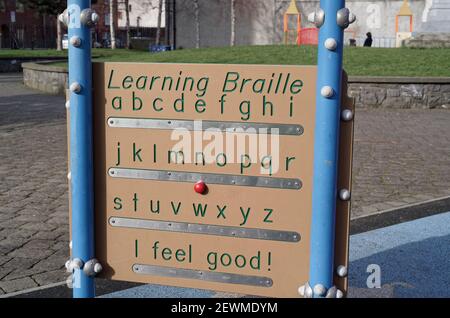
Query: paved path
pixel 33 190
pixel 401 157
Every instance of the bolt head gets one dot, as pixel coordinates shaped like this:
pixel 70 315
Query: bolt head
pixel 75 41
pixel 341 271
pixel 75 87
pixel 63 17
pixel 308 291
pixel 330 44
pixel 343 18
pixel 69 176
pixel 339 294
pixel 76 264
pixel 301 290
pixel 331 293
pixel 319 290
pixel 327 91
pixel 68 104
pixel 98 268
pixel 319 17
pixel 95 17
pixel 344 195
pixel 347 115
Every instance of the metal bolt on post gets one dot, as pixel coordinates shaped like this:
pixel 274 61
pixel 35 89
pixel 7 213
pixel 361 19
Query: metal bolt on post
pixel 332 18
pixel 81 145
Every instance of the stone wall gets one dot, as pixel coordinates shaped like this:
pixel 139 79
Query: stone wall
pixel 49 79
pixel 400 92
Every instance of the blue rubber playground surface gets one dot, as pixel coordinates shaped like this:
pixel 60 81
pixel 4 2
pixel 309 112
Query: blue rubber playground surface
pixel 413 257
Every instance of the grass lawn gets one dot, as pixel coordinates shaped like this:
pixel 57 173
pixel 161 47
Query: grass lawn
pixel 357 60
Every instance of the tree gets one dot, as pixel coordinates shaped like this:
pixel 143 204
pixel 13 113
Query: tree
pixel 112 28
pixel 197 23
pixel 158 27
pixel 50 7
pixel 233 23
pixel 127 17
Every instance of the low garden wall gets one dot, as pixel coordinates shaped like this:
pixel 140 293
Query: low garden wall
pixel 372 92
pixel 47 78
pixel 400 92
pixel 12 65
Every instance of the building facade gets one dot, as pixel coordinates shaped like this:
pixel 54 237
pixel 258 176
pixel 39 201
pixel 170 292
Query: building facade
pixel 143 14
pixel 21 27
pixel 101 32
pixel 260 22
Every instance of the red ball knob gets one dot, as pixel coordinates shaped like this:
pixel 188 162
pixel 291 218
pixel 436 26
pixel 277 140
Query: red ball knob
pixel 200 187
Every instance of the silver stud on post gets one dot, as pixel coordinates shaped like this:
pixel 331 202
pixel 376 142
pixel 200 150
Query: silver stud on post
pixel 75 41
pixel 308 291
pixel 317 17
pixel 331 293
pixel 64 17
pixel 345 18
pixel 330 44
pixel 327 91
pixel 342 18
pixel 75 87
pixel 341 271
pixel 347 115
pixel 319 290
pixel 344 195
pixel 74 264
pixel 68 104
pixel 351 18
pixel 301 290
pixel 92 267
pixel 339 294
pixel 95 17
pixel 69 176
pixel 89 17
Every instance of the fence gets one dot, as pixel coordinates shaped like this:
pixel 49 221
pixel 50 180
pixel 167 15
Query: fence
pixel 308 36
pixel 386 42
pixel 19 36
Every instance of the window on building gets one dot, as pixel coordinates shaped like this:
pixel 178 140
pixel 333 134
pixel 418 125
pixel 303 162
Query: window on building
pixel 20 7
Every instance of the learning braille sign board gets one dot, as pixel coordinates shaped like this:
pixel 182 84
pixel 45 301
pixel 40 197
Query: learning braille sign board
pixel 174 207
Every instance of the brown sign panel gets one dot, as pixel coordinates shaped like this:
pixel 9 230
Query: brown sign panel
pixel 247 133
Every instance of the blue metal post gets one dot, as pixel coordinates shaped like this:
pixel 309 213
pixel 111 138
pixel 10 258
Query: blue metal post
pixel 81 145
pixel 326 147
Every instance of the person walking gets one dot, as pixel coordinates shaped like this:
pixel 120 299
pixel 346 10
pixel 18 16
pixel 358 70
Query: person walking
pixel 368 42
